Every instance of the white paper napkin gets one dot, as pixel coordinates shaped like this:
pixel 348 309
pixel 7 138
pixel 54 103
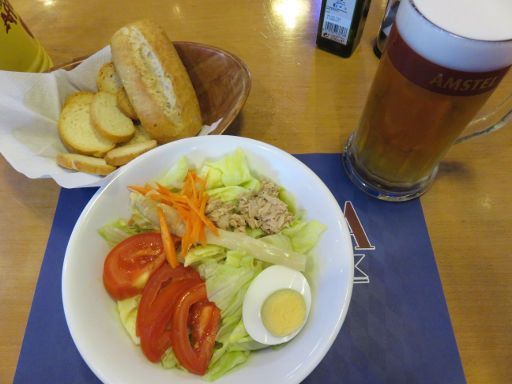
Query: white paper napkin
pixel 30 104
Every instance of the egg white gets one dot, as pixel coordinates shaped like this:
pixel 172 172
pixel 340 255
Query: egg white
pixel 272 279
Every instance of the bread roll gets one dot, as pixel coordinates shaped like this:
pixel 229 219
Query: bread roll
pixel 156 82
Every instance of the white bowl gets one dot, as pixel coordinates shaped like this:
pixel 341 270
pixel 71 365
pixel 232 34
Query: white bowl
pixel 91 314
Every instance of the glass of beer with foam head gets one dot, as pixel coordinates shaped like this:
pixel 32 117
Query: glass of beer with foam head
pixel 443 60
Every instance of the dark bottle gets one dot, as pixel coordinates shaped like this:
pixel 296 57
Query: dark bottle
pixel 341 25
pixel 385 27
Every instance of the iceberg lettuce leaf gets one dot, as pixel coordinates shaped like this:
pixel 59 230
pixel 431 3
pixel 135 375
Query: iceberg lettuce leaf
pixel 117 231
pixel 225 364
pixel 227 193
pixel 203 252
pixel 287 198
pixel 128 309
pixel 174 177
pixel 259 249
pixel 227 282
pixel 169 360
pixel 279 240
pixel 143 210
pixel 230 170
pixel 252 185
pixel 304 235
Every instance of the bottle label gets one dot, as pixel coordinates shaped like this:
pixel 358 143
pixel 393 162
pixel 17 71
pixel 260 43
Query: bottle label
pixel 338 19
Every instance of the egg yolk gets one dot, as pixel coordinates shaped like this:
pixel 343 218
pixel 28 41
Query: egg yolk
pixel 283 312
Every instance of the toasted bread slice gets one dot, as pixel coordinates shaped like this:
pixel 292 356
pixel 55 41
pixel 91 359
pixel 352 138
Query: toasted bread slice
pixel 124 104
pixel 108 120
pixel 83 163
pixel 76 130
pixel 141 135
pixel 108 80
pixel 123 154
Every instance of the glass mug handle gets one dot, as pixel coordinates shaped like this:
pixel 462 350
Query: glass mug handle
pixel 489 121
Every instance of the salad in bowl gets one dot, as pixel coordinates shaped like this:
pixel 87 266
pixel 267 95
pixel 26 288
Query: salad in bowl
pixel 201 258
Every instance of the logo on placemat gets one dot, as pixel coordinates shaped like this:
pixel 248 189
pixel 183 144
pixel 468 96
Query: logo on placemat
pixel 360 242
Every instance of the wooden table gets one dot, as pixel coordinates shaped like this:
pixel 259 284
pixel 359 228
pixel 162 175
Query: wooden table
pixel 302 100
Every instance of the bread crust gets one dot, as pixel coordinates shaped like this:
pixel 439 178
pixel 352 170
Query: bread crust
pixel 72 132
pixel 119 128
pixel 83 163
pixel 124 104
pixel 108 80
pixel 125 153
pixel 140 135
pixel 152 108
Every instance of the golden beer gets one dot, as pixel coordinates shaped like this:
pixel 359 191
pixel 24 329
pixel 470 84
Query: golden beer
pixel 420 101
pixel 19 49
pixel 406 129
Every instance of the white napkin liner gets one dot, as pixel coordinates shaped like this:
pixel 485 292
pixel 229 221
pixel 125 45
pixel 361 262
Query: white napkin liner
pixel 30 105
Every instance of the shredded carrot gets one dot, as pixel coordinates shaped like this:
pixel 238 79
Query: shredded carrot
pixel 200 214
pixel 190 203
pixel 186 240
pixel 170 251
pixel 164 191
pixel 141 189
pixel 168 200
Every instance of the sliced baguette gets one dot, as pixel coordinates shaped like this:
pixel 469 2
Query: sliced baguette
pixel 124 104
pixel 141 135
pixel 84 163
pixel 76 130
pixel 123 154
pixel 108 80
pixel 108 120
pixel 156 81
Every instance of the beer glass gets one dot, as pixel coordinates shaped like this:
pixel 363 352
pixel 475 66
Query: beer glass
pixel 19 49
pixel 436 73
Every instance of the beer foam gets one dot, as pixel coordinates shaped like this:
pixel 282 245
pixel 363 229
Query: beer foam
pixel 450 42
pixel 475 19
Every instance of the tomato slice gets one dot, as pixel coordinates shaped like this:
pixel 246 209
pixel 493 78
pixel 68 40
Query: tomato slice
pixel 174 311
pixel 205 322
pixel 183 350
pixel 156 338
pixel 129 264
pixel 199 319
pixel 160 278
pixel 158 302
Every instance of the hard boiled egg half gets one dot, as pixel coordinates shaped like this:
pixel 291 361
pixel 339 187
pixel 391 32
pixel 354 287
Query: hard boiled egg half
pixel 276 305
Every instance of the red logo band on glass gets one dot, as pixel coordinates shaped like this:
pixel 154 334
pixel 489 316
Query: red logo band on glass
pixel 436 78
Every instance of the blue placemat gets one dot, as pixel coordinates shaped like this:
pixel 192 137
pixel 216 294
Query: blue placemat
pixel 397 328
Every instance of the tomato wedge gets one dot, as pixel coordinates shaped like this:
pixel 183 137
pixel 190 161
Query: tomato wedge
pixel 158 302
pixel 205 323
pixel 173 307
pixel 199 319
pixel 129 264
pixel 156 338
pixel 160 278
pixel 204 320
